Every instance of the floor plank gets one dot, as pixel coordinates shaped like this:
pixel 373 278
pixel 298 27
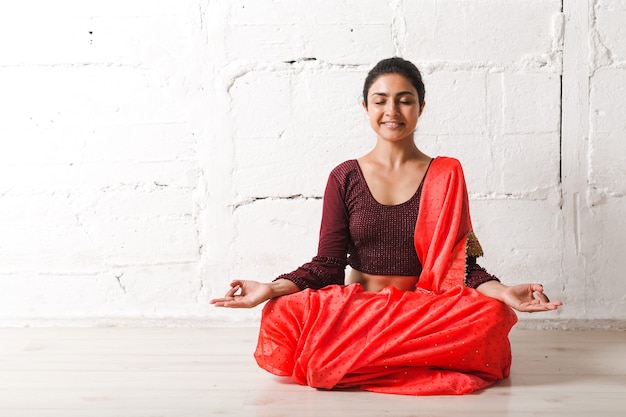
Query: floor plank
pixel 126 372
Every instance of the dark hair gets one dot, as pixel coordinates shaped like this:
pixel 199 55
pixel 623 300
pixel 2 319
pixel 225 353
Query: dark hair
pixel 395 65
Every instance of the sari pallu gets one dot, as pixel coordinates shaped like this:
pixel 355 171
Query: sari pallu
pixel 442 338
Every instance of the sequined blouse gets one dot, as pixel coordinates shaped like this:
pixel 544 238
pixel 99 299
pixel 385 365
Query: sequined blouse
pixel 371 237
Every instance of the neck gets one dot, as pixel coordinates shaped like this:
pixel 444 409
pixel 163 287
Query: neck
pixel 396 153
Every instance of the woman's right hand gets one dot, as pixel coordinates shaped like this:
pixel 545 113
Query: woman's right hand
pixel 245 294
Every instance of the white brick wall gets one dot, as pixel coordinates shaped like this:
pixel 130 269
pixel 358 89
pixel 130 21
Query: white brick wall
pixel 154 150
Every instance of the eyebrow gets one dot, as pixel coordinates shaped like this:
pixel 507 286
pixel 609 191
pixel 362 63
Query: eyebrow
pixel 401 93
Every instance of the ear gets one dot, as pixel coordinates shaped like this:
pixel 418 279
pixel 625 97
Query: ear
pixel 364 105
pixel 421 109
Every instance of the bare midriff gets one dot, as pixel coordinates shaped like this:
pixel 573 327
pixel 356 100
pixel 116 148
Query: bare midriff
pixel 375 283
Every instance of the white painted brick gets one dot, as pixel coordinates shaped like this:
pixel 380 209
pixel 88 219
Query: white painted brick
pixel 81 232
pixel 483 31
pixel 313 102
pixel 152 202
pixel 326 125
pixel 298 166
pixel 608 129
pixel 350 43
pixel 154 142
pixel 244 12
pixel 527 164
pixel 89 33
pixel 266 42
pixel 145 291
pixel 610 18
pixel 36 246
pixel 521 239
pixel 347 32
pixel 112 8
pixel 124 242
pixel 269 94
pixel 275 237
pixel 73 145
pixel 94 244
pixel 159 290
pixel 24 145
pixel 456 103
pixel 608 100
pixel 531 103
pixel 93 96
pixel 327 104
pixel 608 162
pixel 522 166
pixel 40 296
pixel 99 175
pixel 603 268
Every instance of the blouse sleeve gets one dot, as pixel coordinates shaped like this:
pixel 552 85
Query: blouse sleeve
pixel 328 267
pixel 476 275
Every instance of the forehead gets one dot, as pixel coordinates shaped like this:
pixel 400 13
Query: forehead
pixel 391 84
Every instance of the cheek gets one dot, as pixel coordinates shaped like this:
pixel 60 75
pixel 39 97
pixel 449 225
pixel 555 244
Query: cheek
pixel 413 115
pixel 374 114
pixel 374 117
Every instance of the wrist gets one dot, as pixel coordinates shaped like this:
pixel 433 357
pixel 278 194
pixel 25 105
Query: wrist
pixel 493 289
pixel 283 287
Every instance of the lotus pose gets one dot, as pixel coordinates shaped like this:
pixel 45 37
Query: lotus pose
pixel 417 315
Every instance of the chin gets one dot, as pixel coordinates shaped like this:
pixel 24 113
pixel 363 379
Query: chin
pixel 398 137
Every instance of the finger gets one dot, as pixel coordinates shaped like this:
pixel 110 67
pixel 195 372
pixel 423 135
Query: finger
pixel 233 291
pixel 220 300
pixel 537 307
pixel 538 290
pixel 544 298
pixel 233 304
pixel 225 304
pixel 534 308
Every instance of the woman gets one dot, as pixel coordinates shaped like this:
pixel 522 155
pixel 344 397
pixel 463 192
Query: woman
pixel 421 317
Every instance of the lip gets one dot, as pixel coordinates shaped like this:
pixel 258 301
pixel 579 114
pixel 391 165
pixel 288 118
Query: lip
pixel 392 124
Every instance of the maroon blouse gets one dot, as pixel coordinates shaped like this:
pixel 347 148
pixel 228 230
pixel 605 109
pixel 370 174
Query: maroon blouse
pixel 371 237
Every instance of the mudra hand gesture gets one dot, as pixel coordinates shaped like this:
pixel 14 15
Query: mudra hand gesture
pixel 528 298
pixel 245 294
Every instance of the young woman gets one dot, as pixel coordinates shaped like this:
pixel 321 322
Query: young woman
pixel 420 316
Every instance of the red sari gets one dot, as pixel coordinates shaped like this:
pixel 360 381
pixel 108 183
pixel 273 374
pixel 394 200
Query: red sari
pixel 443 338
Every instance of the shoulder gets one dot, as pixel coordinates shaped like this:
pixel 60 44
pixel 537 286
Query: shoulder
pixel 346 179
pixel 445 165
pixel 446 162
pixel 446 170
pixel 345 171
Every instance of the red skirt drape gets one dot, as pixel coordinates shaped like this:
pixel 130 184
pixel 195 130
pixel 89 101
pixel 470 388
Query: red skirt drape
pixel 412 343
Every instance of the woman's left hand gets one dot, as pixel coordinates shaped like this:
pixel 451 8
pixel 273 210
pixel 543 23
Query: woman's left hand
pixel 528 298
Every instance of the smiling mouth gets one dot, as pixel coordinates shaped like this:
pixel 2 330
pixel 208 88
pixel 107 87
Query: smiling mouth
pixel 392 124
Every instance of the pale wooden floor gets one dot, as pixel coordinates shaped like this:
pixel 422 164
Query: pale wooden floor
pixel 210 372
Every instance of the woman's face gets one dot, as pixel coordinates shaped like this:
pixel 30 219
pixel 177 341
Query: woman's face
pixel 393 107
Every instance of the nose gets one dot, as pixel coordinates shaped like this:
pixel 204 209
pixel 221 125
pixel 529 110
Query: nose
pixel 391 107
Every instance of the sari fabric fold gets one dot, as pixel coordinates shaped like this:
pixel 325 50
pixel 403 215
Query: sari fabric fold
pixel 442 338
pixel 443 227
